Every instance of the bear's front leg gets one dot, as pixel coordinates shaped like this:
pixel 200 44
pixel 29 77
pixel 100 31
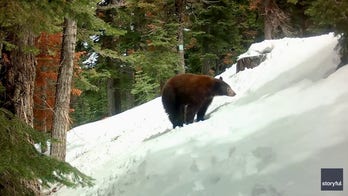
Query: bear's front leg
pixel 203 109
pixel 189 114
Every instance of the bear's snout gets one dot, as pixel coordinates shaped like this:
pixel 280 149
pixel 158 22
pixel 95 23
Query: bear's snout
pixel 230 92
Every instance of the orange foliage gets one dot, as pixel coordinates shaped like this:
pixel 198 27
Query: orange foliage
pixel 76 91
pixel 79 54
pixel 5 58
pixel 130 51
pixel 255 4
pixel 100 14
pixel 149 45
pixel 48 62
pixel 148 14
pixel 152 26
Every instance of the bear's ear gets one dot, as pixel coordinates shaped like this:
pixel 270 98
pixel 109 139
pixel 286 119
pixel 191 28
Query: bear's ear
pixel 221 78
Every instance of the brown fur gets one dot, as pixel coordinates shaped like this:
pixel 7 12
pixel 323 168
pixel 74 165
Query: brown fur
pixel 185 95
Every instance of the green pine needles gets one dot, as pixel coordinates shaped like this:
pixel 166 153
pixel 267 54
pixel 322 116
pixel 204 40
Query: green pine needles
pixel 20 161
pixel 144 88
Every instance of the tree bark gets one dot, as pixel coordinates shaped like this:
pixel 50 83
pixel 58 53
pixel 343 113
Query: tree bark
pixel 276 21
pixel 179 5
pixel 20 68
pixel 268 26
pixel 114 96
pixel 206 66
pixel 61 122
pixel 206 61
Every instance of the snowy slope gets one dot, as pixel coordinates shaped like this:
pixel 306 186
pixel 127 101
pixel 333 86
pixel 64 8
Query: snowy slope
pixel 288 120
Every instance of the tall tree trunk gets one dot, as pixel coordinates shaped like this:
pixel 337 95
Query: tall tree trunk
pixel 114 96
pixel 206 61
pixel 179 5
pixel 19 66
pixel 20 77
pixel 268 26
pixel 206 66
pixel 61 123
pixel 276 21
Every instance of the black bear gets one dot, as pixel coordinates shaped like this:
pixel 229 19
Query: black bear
pixel 185 95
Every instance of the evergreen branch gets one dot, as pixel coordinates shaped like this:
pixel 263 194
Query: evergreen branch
pixel 20 160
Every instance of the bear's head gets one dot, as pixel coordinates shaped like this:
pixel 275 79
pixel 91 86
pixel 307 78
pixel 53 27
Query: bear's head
pixel 222 88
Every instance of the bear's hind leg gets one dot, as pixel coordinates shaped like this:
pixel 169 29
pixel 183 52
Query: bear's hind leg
pixel 175 122
pixel 176 119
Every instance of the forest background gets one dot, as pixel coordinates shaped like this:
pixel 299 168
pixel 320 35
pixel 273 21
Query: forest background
pixel 121 52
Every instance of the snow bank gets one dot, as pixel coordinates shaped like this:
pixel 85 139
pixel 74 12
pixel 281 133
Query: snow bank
pixel 287 122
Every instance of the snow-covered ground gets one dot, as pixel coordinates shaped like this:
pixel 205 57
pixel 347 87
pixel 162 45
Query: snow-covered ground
pixel 288 120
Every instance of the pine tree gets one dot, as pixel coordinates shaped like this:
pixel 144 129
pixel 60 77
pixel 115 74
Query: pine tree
pixel 20 22
pixel 331 16
pixel 91 105
pixel 19 160
pixel 219 30
pixel 148 43
pixel 144 88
